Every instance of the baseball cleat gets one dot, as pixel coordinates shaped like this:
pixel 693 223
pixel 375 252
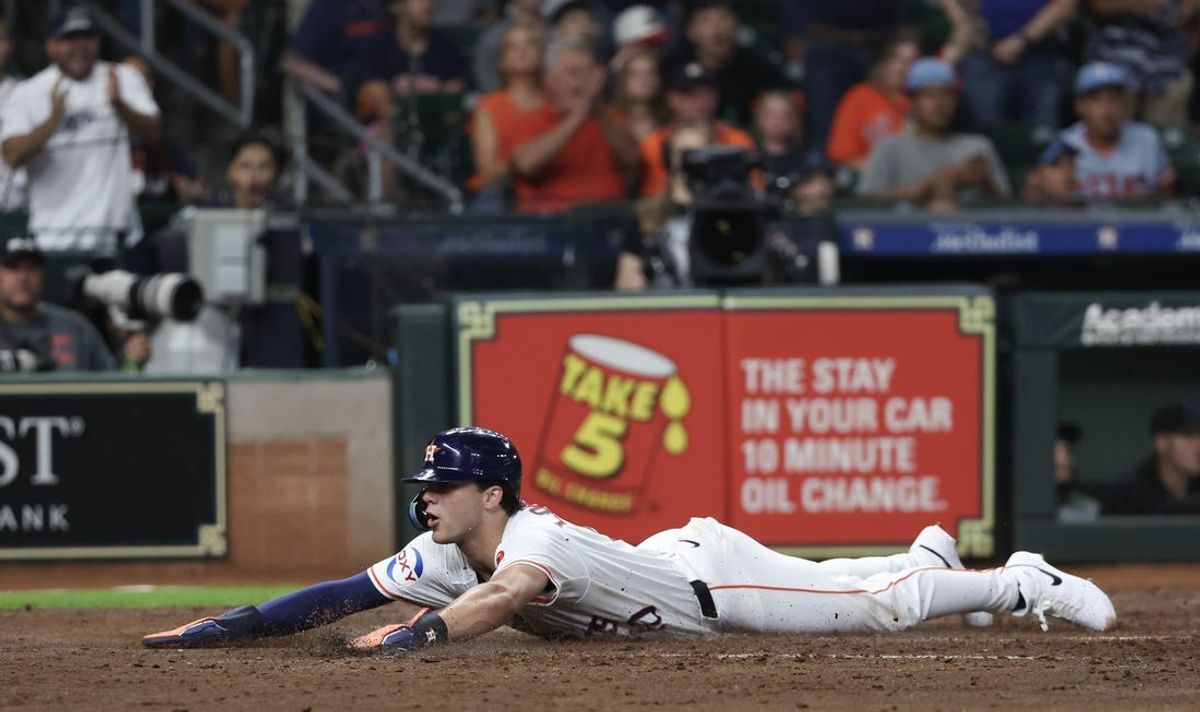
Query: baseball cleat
pixel 229 627
pixel 1048 590
pixel 935 547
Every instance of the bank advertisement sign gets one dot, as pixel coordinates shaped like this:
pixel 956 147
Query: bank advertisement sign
pixel 112 470
pixel 816 425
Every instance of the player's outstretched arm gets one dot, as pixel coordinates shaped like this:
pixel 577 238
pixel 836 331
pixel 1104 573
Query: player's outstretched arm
pixel 484 608
pixel 309 607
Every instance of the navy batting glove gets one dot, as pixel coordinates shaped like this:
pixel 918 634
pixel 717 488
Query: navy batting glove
pixel 232 626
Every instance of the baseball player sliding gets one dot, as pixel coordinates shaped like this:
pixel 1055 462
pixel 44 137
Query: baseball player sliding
pixel 487 560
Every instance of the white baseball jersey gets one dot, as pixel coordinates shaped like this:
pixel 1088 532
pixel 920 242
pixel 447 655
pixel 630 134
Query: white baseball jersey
pixel 12 182
pixel 81 183
pixel 1136 167
pixel 597 584
pixel 601 585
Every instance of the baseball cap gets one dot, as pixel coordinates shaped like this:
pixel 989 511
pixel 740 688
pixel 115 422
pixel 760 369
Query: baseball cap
pixel 13 249
pixel 638 24
pixel 692 76
pixel 929 72
pixel 1061 146
pixel 553 10
pixel 74 21
pixel 1098 75
pixel 1175 418
pixel 811 164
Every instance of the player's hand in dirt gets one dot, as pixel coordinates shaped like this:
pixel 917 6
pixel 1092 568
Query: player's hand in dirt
pixel 239 624
pixel 425 628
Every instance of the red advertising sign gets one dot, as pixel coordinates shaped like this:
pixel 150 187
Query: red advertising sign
pixel 830 427
pixel 855 426
pixel 617 412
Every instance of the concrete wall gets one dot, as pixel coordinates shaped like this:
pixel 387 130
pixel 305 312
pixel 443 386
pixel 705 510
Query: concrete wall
pixel 310 472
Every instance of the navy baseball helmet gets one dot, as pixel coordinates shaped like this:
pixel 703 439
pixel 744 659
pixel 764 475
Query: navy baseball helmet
pixel 467 455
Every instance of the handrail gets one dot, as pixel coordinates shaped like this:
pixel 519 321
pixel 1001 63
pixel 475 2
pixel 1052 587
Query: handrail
pixel 348 123
pixel 242 116
pixel 244 48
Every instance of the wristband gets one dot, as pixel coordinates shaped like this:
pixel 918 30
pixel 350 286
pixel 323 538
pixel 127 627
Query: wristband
pixel 428 629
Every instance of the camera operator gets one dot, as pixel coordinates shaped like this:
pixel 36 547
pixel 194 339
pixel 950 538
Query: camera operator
pixel 34 335
pixel 664 214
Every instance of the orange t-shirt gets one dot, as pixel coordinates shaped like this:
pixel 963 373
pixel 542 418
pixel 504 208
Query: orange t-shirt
pixel 585 170
pixel 506 116
pixel 864 116
pixel 654 171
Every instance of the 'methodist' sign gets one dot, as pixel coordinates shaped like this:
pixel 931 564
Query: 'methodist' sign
pixel 111 470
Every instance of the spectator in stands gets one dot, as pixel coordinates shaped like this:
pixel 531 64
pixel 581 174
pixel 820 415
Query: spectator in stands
pixel 780 136
pixel 811 187
pixel 163 169
pixel 876 108
pixel 252 174
pixel 12 182
pixel 1148 39
pixel 839 42
pixel 35 335
pixel 1168 480
pixel 637 91
pixel 333 41
pixel 1104 155
pixel 571 20
pixel 662 217
pixel 1071 504
pixel 639 27
pixel 712 41
pixel 488 49
pixel 691 96
pixel 572 149
pixel 1014 76
pixel 70 125
pixel 415 59
pixel 927 163
pixel 498 114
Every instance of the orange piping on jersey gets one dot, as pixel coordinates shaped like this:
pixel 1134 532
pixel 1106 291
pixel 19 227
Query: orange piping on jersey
pixel 818 590
pixel 540 600
pixel 379 586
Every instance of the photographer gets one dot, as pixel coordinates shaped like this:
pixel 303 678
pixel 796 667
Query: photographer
pixel 34 335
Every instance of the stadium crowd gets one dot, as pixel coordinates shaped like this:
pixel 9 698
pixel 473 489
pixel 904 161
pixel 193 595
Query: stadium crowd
pixel 936 103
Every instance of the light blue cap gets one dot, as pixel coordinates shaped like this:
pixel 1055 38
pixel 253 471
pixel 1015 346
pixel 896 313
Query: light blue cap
pixel 929 72
pixel 1097 75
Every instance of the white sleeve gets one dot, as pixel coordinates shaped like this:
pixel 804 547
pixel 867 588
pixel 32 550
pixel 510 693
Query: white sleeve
pixel 420 573
pixel 16 118
pixel 135 92
pixel 549 550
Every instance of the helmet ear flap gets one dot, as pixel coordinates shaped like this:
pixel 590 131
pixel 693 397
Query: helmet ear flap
pixel 417 514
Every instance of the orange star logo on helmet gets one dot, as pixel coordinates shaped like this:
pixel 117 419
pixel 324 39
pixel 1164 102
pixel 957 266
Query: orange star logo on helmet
pixel 429 451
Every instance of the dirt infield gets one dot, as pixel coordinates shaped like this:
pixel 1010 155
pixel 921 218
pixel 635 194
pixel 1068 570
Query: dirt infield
pixel 75 659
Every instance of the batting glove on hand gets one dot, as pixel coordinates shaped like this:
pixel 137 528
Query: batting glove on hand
pixel 231 626
pixel 424 629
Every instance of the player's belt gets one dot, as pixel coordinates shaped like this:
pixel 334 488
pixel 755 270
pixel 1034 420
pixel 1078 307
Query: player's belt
pixel 704 596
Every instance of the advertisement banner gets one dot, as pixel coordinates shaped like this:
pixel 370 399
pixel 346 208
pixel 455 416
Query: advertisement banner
pixel 615 404
pixel 857 422
pixel 112 470
pixel 824 427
